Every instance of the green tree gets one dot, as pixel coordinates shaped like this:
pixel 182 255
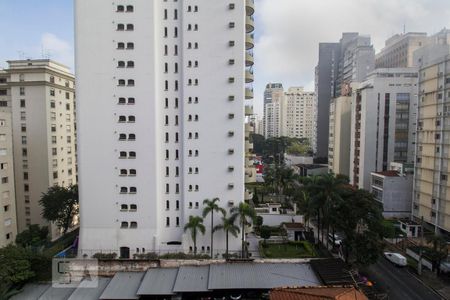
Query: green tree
pixel 195 225
pixel 34 236
pixel 210 207
pixel 246 214
pixel 439 251
pixel 259 143
pixel 229 227
pixel 60 205
pixel 15 265
pixel 305 205
pixel 259 220
pixel 266 232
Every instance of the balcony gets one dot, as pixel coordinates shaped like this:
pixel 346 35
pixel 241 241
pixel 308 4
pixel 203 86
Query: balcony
pixel 248 128
pixel 248 93
pixel 249 24
pixel 250 7
pixel 249 77
pixel 249 41
pixel 249 110
pixel 249 60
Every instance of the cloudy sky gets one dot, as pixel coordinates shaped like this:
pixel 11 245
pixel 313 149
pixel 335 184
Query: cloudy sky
pixel 287 36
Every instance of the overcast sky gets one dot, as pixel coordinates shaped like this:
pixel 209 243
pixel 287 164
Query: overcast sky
pixel 287 33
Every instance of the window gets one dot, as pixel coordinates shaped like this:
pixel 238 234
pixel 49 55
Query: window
pixel 55 175
pixel 131 101
pixel 123 190
pixel 52 104
pixel 122 154
pixel 53 139
pixel 231 25
pixel 23 116
pixel 130 27
pixel 130 8
pixel 24 139
pixel 167 221
pixel 26 187
pixel 22 103
pixel 130 46
pixel 25 152
pixel 124 225
pixel 25 175
pixel 167 204
pixel 123 207
pixel 130 82
pixel 3 166
pixel 177 221
pixel 132 172
pixel 122 119
pixel 121 64
pixel 22 92
pixel 130 64
pixel 120 8
pixel 133 225
pixel 131 119
pixel 4 179
pixel 132 154
pixel 120 45
pixel 133 207
pixel 120 27
pixel 131 137
pixel 121 82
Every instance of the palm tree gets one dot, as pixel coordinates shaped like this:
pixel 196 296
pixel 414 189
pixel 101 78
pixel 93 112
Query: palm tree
pixel 194 225
pixel 229 227
pixel 246 214
pixel 211 206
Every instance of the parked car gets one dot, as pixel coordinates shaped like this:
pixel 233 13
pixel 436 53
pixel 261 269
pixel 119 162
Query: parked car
pixel 396 258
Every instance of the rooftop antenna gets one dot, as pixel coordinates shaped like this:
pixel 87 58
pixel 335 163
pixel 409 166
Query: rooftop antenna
pixel 21 54
pixel 45 53
pixel 404 28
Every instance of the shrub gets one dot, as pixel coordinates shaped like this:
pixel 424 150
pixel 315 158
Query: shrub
pixel 149 256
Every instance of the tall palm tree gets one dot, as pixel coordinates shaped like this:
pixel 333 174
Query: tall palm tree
pixel 194 225
pixel 229 227
pixel 246 215
pixel 211 206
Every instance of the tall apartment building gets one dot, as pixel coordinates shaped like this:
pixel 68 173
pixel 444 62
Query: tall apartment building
pixel 339 140
pixel 43 122
pixel 383 123
pixel 300 120
pixel 8 221
pixel 431 187
pixel 399 49
pixel 162 128
pixel 339 65
pixel 273 110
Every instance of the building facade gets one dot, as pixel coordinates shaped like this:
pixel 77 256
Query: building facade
pixel 43 122
pixel 432 167
pixel 399 50
pixel 392 189
pixel 274 110
pixel 166 118
pixel 383 123
pixel 339 140
pixel 300 121
pixel 339 65
pixel 8 220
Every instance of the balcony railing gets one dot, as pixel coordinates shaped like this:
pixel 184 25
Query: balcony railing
pixel 250 7
pixel 249 77
pixel 249 41
pixel 249 24
pixel 248 93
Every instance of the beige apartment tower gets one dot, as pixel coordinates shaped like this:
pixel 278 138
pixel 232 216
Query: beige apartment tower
pixel 339 141
pixel 432 168
pixel 8 221
pixel 43 122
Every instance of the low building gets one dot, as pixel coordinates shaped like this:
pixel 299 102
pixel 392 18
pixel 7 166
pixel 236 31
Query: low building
pixel 410 228
pixel 290 159
pixel 269 208
pixel 305 170
pixel 295 231
pixel 393 189
pixel 318 292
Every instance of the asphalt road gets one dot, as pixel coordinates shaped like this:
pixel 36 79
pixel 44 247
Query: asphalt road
pixel 399 283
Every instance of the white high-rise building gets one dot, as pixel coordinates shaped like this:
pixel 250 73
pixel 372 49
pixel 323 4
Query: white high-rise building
pixel 383 122
pixel 161 88
pixel 300 119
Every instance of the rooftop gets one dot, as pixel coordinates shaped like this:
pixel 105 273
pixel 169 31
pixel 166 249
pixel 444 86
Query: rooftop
pixel 294 225
pixel 317 293
pixel 311 167
pixel 388 173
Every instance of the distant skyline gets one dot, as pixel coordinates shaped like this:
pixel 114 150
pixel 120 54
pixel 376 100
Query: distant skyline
pixel 288 32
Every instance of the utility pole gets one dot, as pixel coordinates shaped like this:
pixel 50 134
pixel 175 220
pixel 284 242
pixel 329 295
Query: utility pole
pixel 419 265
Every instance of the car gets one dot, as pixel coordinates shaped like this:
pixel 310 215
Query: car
pixel 396 258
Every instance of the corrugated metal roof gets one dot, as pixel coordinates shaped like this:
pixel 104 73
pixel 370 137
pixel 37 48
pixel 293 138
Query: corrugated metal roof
pixel 31 292
pixel 53 293
pixel 260 276
pixel 86 292
pixel 158 282
pixel 123 286
pixel 192 279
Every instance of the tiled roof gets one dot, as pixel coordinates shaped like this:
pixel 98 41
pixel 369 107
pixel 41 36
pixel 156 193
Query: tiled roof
pixel 317 293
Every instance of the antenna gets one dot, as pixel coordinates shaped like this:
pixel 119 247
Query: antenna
pixel 404 28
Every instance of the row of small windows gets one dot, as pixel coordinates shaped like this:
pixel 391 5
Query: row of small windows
pixel 122 45
pixel 166 50
pixel 192 44
pixel 125 190
pixel 166 104
pixel 193 153
pixel 128 225
pixel 177 171
pixel 166 120
pixel 130 155
pixel 191 188
pixel 177 156
pixel 123 82
pixel 127 101
pixel 131 207
pixel 177 207
pixel 177 221
pixel 130 172
pixel 190 27
pixel 122 27
pixel 123 8
pixel 123 119
pixel 194 8
pixel 193 118
pixel 123 137
pixel 123 64
pixel 167 137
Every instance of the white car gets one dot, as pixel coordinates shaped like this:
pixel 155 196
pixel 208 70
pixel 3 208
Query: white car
pixel 396 258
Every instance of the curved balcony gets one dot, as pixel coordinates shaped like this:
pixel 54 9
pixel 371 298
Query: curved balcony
pixel 249 41
pixel 248 93
pixel 248 128
pixel 249 60
pixel 249 77
pixel 249 24
pixel 250 7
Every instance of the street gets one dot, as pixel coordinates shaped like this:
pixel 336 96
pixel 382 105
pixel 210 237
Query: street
pixel 399 283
